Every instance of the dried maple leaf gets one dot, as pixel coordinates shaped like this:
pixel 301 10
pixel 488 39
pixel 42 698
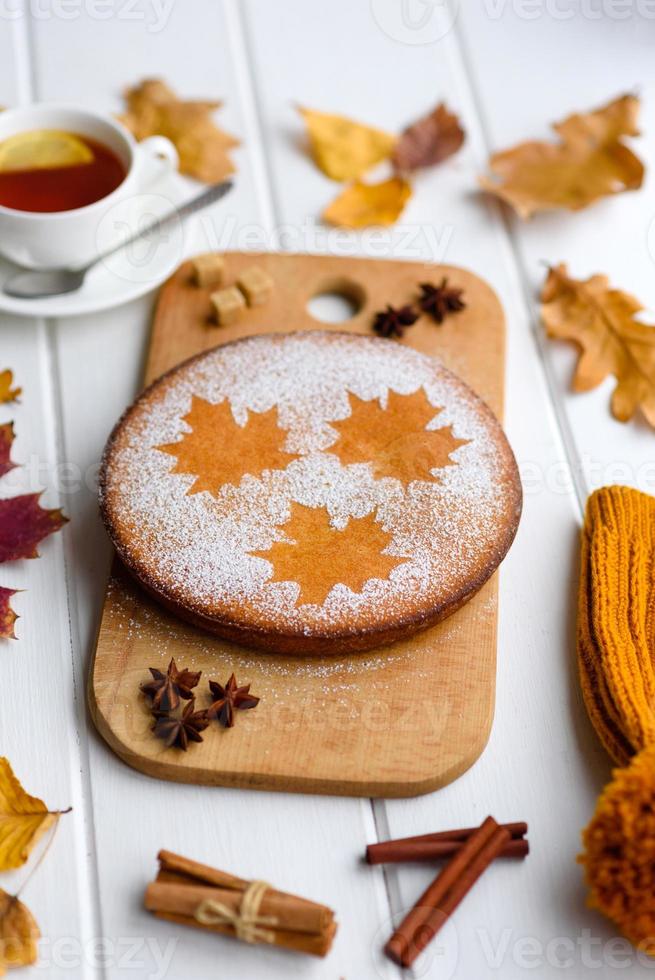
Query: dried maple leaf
pixel 226 700
pixel 344 149
pixel 428 141
pixel 23 819
pixel 166 689
pixel 601 321
pixel 219 451
pixel 23 523
pixel 6 440
pixel 394 440
pixel 154 109
pixel 7 393
pixel 590 161
pixel 19 934
pixel 362 205
pixel 178 732
pixel 320 556
pixel 7 615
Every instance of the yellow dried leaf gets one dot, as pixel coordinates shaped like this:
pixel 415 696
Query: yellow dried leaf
pixel 7 393
pixel 362 205
pixel 601 321
pixel 19 934
pixel 23 819
pixel 154 109
pixel 344 149
pixel 590 161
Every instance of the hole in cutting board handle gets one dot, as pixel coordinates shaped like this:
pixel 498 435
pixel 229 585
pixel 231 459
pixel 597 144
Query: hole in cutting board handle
pixel 336 300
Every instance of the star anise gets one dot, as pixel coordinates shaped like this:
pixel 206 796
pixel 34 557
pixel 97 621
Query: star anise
pixel 165 690
pixel 179 731
pixel 228 699
pixel 393 321
pixel 439 301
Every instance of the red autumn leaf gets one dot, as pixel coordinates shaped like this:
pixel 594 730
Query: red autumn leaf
pixel 23 523
pixel 7 615
pixel 428 141
pixel 6 439
pixel 7 393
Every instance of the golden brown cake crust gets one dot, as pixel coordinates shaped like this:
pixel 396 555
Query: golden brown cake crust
pixel 311 492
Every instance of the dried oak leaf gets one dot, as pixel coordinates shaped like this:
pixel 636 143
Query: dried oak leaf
pixel 601 321
pixel 430 140
pixel 318 556
pixel 590 161
pixel 154 109
pixel 19 934
pixel 226 700
pixel 165 689
pixel 179 731
pixel 362 205
pixel 6 440
pixel 342 148
pixel 23 819
pixel 23 523
pixel 7 393
pixel 7 615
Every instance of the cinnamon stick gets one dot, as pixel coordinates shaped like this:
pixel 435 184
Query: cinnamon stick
pixel 517 830
pixel 289 912
pixel 184 887
pixel 390 852
pixel 451 884
pixel 299 942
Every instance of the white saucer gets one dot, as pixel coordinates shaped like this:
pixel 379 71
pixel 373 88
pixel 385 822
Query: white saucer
pixel 132 272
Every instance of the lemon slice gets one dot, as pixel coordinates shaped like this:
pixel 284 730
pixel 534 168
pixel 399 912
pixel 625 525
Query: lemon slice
pixel 43 149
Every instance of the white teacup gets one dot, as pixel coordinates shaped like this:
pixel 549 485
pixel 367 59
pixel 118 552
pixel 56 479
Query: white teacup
pixel 69 238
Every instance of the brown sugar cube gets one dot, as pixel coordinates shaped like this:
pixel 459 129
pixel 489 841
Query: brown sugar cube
pixel 209 269
pixel 256 285
pixel 228 305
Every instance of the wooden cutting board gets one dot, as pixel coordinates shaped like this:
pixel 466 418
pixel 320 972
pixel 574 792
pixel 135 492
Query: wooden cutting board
pixel 398 721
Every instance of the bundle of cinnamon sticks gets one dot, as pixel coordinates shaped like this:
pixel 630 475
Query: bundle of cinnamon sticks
pixel 470 851
pixel 197 895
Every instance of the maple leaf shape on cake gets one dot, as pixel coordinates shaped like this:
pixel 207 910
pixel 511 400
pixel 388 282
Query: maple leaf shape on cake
pixel 319 556
pixel 601 321
pixel 23 523
pixel 218 450
pixel 394 440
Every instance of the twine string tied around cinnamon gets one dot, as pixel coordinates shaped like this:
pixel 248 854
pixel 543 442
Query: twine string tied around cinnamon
pixel 246 920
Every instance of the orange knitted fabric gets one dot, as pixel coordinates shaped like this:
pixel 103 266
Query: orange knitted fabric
pixel 616 660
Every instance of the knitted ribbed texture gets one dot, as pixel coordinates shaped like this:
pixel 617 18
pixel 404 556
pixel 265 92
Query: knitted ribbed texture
pixel 616 659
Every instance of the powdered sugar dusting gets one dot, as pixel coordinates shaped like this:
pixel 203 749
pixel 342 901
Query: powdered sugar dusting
pixel 197 548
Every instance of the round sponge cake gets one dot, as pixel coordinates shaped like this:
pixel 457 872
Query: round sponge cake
pixel 310 492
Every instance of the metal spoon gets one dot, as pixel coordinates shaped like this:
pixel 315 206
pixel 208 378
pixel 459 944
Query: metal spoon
pixel 36 283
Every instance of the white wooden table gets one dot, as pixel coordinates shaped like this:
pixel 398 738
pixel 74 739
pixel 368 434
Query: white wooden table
pixel 508 69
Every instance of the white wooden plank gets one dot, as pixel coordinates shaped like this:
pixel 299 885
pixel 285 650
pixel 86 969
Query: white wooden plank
pixel 39 716
pixel 541 743
pixel 531 70
pixel 291 840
